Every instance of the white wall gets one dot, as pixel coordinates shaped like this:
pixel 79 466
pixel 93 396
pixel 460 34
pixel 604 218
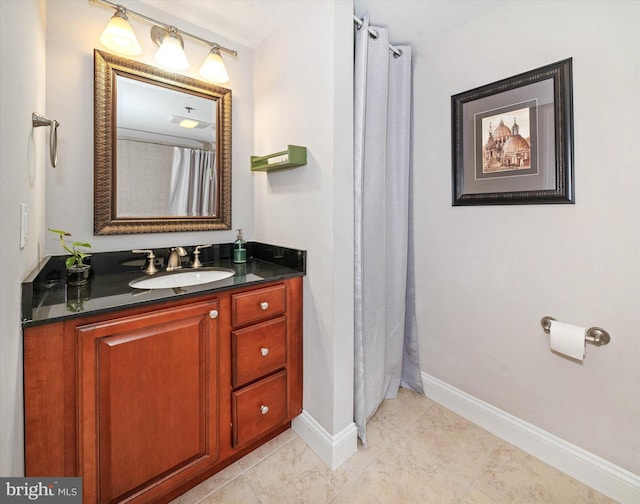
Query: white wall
pixel 303 96
pixel 486 275
pixel 22 165
pixel 73 29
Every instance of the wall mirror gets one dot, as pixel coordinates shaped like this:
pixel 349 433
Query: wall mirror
pixel 162 150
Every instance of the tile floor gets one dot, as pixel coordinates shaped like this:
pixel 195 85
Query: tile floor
pixel 419 452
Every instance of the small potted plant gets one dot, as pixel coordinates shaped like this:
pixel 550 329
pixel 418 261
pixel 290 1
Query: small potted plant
pixel 77 270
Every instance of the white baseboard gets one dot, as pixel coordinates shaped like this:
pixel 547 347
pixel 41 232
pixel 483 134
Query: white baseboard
pixel 333 450
pixel 605 477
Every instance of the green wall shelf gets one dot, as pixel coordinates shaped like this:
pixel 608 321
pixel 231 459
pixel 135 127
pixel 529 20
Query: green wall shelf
pixel 294 156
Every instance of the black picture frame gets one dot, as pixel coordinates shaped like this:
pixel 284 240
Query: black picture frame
pixel 512 140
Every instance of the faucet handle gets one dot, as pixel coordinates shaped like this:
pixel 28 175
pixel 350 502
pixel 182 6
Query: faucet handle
pixel 196 256
pixel 150 266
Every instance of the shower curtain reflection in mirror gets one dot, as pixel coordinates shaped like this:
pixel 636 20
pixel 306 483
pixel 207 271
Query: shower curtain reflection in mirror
pixel 193 182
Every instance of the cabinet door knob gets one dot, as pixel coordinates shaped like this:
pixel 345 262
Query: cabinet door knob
pixel 264 305
pixel 264 409
pixel 213 314
pixel 264 351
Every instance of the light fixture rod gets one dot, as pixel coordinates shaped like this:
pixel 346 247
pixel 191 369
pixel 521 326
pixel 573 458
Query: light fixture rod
pixel 165 26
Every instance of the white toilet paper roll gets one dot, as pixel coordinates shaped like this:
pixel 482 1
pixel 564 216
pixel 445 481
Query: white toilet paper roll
pixel 567 339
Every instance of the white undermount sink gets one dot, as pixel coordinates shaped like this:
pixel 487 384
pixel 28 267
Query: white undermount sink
pixel 182 279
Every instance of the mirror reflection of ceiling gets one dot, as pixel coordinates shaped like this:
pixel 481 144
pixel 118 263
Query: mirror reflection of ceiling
pixel 152 113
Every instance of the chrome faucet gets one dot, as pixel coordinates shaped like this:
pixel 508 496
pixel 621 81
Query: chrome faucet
pixel 174 262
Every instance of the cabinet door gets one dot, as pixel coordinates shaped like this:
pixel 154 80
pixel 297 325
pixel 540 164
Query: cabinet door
pixel 147 402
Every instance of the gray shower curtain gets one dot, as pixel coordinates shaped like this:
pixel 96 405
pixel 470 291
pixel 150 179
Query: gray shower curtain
pixel 192 186
pixel 386 347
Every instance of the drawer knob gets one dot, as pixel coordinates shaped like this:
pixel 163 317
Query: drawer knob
pixel 264 351
pixel 264 305
pixel 213 314
pixel 264 409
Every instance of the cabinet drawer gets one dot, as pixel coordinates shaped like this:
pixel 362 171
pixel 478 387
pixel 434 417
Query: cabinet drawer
pixel 259 408
pixel 258 350
pixel 257 305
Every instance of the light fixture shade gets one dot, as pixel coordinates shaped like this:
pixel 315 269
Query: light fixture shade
pixel 171 53
pixel 213 68
pixel 119 37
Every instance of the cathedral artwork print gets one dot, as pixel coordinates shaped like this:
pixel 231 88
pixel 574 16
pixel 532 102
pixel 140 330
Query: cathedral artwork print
pixel 512 140
pixel 506 141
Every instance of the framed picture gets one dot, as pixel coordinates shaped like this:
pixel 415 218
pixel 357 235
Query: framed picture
pixel 512 141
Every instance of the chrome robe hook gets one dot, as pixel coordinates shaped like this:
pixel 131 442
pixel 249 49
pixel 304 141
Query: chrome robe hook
pixel 40 120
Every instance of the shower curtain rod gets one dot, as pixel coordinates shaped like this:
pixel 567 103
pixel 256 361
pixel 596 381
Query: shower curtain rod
pixel 204 144
pixel 184 141
pixel 374 34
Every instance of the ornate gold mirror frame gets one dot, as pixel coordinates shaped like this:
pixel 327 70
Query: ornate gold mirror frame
pixel 106 220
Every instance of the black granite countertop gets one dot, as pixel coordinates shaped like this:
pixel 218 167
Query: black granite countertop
pixel 46 298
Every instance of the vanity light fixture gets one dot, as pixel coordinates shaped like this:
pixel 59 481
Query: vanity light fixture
pixel 170 41
pixel 118 35
pixel 213 68
pixel 171 48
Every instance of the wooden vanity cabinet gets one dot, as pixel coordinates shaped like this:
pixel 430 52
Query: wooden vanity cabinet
pixel 146 403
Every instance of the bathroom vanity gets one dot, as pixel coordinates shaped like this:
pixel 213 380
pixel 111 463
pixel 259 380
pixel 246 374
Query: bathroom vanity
pixel 144 394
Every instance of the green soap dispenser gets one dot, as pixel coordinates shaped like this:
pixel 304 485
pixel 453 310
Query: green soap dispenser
pixel 239 249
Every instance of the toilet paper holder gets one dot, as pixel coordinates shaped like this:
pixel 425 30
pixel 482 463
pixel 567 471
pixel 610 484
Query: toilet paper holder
pixel 594 335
